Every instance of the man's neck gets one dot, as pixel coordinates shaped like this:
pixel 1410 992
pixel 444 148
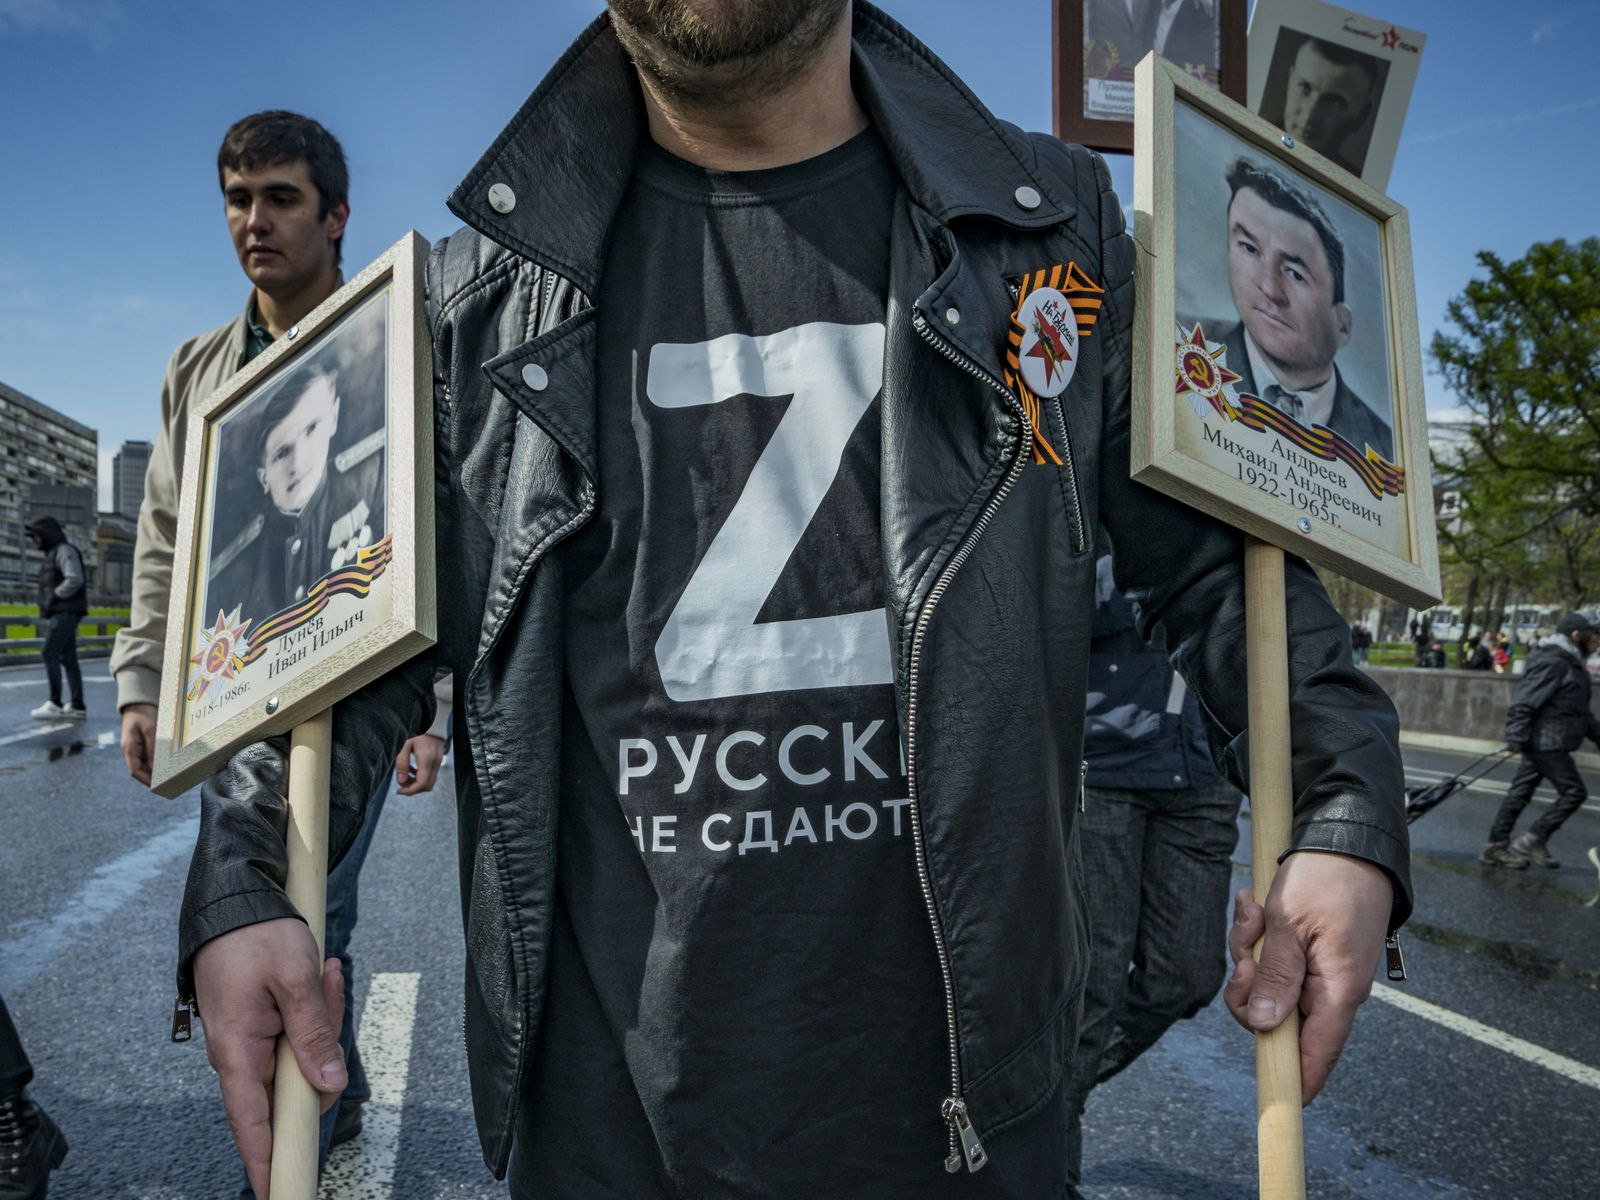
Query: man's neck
pixel 278 312
pixel 810 115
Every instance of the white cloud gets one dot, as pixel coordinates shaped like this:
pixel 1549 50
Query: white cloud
pixel 1511 121
pixel 95 20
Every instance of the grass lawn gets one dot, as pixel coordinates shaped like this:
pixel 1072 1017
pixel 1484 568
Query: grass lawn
pixel 32 610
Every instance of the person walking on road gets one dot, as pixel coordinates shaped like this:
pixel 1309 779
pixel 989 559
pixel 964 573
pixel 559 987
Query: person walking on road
pixel 285 191
pixel 1548 718
pixel 63 602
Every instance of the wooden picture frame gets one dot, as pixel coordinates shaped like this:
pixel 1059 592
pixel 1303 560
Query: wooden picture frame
pixel 303 565
pixel 1324 489
pixel 1074 120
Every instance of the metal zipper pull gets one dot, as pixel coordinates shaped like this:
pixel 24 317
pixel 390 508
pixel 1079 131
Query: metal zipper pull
pixel 182 1029
pixel 1396 960
pixel 954 1111
pixel 1083 785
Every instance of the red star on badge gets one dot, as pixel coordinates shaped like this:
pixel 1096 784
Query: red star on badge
pixel 1049 348
pixel 1390 38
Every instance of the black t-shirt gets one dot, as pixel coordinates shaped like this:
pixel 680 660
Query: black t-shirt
pixel 744 998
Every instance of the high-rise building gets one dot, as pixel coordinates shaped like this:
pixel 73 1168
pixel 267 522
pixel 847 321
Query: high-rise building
pixel 48 465
pixel 127 477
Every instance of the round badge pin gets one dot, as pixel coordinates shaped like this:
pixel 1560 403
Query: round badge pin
pixel 1048 355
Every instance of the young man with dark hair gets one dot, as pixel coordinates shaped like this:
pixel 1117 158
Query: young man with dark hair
pixel 63 602
pixel 285 193
pixel 1286 266
pixel 769 634
pixel 274 138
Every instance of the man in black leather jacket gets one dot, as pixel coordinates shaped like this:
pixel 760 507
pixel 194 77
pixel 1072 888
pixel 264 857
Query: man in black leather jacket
pixel 981 560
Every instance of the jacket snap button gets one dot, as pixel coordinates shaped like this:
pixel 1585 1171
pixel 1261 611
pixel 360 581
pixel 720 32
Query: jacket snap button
pixel 535 377
pixel 953 315
pixel 300 593
pixel 501 198
pixel 294 546
pixel 1026 197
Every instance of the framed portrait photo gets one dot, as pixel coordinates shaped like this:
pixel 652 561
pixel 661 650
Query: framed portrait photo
pixel 1098 43
pixel 303 566
pixel 1277 374
pixel 1334 80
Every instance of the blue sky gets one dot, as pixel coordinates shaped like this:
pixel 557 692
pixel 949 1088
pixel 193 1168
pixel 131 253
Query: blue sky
pixel 113 247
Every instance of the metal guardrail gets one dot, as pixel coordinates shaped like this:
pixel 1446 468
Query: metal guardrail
pixel 105 634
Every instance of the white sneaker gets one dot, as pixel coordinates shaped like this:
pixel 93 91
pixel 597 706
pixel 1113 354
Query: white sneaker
pixel 75 712
pixel 48 711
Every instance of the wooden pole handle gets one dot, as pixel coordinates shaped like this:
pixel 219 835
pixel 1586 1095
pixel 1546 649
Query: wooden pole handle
pixel 1280 1134
pixel 296 1105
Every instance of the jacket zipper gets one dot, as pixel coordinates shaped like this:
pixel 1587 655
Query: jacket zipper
pixel 183 1012
pixel 1395 966
pixel 964 1144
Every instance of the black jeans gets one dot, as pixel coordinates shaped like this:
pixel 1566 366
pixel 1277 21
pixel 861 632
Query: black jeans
pixel 1556 766
pixel 15 1069
pixel 1158 869
pixel 61 650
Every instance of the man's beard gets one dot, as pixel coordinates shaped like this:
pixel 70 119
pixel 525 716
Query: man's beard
pixel 716 52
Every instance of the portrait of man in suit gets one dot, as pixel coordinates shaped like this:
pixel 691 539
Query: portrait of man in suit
pixel 1118 33
pixel 1286 274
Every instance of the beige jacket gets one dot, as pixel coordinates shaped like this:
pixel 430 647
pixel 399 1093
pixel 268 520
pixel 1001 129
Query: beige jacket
pixel 197 368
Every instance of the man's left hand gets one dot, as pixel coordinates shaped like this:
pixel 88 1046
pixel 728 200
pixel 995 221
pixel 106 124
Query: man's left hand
pixel 1324 922
pixel 417 765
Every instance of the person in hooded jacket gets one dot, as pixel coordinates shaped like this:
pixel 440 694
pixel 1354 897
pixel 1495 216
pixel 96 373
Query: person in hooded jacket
pixel 63 602
pixel 1548 718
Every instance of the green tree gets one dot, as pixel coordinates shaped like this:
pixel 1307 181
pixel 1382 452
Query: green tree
pixel 1524 359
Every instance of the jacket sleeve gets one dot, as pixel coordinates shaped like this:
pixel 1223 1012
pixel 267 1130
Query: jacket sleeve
pixel 237 874
pixel 1530 695
pixel 136 657
pixel 1185 572
pixel 70 564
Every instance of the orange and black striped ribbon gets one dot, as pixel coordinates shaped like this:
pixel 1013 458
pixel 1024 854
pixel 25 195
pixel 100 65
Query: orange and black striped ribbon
pixel 1085 297
pixel 354 580
pixel 1381 476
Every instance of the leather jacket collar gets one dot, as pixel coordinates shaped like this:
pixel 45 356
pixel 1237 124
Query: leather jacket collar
pixel 953 157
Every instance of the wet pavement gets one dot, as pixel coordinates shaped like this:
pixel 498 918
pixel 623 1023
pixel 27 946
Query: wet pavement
pixel 1489 1088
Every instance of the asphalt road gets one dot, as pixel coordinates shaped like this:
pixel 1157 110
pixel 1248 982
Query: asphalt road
pixel 1480 1076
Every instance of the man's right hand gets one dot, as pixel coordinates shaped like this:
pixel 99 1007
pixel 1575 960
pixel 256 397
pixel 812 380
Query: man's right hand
pixel 252 985
pixel 139 740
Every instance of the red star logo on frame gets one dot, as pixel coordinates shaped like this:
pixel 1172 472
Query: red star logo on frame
pixel 1390 38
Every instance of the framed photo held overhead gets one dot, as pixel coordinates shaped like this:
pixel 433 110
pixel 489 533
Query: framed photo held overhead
pixel 303 565
pixel 1096 44
pixel 1334 80
pixel 1277 375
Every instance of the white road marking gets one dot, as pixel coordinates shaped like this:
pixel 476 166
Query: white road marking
pixel 114 883
pixel 1537 1055
pixel 364 1168
pixel 39 731
pixel 111 737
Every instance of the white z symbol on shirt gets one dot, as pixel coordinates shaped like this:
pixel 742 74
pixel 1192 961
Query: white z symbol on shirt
pixel 711 645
